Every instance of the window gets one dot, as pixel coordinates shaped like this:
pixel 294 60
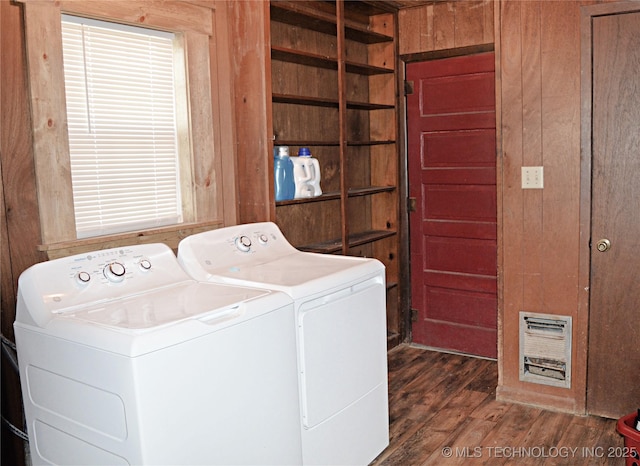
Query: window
pixel 121 115
pixel 206 196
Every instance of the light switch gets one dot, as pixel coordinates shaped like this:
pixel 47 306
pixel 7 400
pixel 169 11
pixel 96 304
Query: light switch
pixel 532 178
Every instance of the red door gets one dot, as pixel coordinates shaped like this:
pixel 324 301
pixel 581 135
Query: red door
pixel 452 158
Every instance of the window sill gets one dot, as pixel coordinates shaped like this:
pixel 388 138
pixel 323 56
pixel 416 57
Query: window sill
pixel 170 236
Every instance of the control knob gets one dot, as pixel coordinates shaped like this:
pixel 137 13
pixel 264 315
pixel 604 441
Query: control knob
pixel 144 264
pixel 83 277
pixel 243 243
pixel 115 272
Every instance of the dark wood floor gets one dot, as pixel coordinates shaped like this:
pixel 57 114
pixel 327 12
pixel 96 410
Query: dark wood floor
pixel 443 411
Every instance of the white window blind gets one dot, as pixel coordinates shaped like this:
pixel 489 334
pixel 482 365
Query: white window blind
pixel 120 95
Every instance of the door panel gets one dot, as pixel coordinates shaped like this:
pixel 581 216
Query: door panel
pixel 614 329
pixel 460 255
pixel 444 202
pixel 452 151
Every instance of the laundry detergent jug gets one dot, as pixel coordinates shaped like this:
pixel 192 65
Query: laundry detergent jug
pixel 306 174
pixel 283 174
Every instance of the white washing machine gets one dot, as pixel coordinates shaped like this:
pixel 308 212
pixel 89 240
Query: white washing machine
pixel 124 359
pixel 341 332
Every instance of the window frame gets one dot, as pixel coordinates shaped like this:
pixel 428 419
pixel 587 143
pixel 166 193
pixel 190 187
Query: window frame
pixel 208 175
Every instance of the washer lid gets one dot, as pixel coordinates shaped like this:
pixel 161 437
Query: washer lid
pixel 151 321
pixel 164 306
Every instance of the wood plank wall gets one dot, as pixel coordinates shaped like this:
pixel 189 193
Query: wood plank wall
pixel 539 51
pixel 21 225
pixel 537 46
pixel 445 25
pixel 248 25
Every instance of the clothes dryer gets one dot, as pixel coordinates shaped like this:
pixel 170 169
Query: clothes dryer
pixel 340 330
pixel 124 359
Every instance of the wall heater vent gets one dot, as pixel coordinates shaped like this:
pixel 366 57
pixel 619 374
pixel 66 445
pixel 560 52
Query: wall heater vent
pixel 545 349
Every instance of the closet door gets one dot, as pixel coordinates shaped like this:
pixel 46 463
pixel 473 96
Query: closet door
pixel 614 330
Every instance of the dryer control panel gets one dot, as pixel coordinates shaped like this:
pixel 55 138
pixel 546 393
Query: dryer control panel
pixel 264 239
pixel 234 246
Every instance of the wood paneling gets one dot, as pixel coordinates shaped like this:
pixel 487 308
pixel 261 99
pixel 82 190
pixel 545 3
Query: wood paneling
pixel 18 179
pixel 222 91
pixel 165 15
pixel 251 67
pixel 540 95
pixel 445 25
pixel 43 33
pixel 21 231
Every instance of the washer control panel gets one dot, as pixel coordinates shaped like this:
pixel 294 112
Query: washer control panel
pixel 109 266
pixel 101 275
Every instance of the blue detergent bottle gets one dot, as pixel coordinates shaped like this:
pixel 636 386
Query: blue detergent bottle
pixel 283 174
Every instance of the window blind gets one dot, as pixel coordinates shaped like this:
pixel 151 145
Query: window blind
pixel 120 95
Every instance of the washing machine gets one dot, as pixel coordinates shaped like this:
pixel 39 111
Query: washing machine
pixel 124 359
pixel 340 331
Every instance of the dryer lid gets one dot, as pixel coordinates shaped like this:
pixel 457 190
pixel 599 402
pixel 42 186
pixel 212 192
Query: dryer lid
pixel 299 274
pixel 259 255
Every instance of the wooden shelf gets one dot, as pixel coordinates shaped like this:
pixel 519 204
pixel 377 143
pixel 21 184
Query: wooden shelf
pixel 348 116
pixel 369 237
pixel 296 14
pixel 291 142
pixel 324 61
pixel 331 103
pixel 366 70
pixel 370 190
pixel 393 339
pixel 303 58
pixel 356 239
pixel 370 143
pixel 304 100
pixel 323 197
pixel 353 192
pixel 362 34
pixel 369 106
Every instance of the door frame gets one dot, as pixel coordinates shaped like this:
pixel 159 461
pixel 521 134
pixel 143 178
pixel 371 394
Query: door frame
pixel 587 13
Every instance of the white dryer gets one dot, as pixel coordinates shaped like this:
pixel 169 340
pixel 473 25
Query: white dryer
pixel 124 359
pixel 341 332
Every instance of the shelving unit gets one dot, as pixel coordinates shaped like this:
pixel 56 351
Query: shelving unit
pixel 334 89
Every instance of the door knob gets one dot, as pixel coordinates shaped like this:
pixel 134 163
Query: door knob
pixel 603 245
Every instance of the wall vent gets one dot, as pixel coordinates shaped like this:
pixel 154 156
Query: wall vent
pixel 545 349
